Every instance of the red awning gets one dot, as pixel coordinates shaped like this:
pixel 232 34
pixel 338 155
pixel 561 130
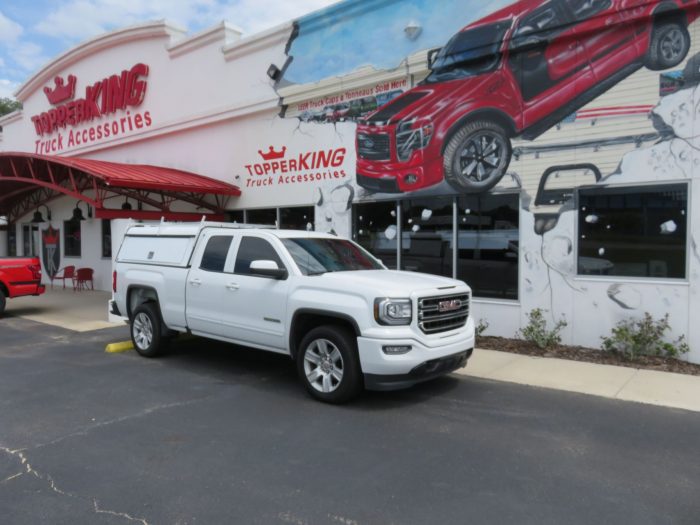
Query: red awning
pixel 28 181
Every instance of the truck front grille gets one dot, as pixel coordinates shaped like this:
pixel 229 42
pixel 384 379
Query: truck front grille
pixel 373 146
pixel 443 313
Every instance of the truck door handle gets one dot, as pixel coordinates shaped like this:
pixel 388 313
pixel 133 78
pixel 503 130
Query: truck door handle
pixel 233 286
pixel 195 282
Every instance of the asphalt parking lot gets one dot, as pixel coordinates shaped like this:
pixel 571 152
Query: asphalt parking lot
pixel 213 433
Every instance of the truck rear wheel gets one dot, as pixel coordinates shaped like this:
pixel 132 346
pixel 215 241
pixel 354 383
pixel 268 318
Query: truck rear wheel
pixel 3 301
pixel 328 365
pixel 477 156
pixel 146 330
pixel 669 45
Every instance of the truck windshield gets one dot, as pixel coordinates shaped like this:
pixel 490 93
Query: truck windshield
pixel 469 53
pixel 316 256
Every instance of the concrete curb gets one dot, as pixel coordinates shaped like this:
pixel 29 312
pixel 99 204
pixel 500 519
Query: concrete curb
pixel 615 382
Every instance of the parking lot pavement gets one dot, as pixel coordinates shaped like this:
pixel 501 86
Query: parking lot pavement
pixel 213 433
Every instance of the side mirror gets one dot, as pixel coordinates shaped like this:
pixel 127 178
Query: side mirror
pixel 432 54
pixel 267 269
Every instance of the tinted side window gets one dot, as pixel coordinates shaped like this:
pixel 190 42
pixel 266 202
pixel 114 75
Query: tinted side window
pixel 583 9
pixel 254 249
pixel 215 253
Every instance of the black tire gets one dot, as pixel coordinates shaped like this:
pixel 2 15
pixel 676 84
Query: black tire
pixel 3 301
pixel 146 330
pixel 477 156
pixel 312 360
pixel 668 46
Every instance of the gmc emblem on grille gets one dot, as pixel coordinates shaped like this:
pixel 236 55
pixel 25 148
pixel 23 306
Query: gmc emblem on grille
pixel 449 306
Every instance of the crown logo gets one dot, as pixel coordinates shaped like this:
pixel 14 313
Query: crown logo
pixel 62 91
pixel 272 154
pixel 50 235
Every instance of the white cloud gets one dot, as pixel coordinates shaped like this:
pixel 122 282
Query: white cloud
pixel 28 56
pixel 9 29
pixel 7 88
pixel 256 15
pixel 77 20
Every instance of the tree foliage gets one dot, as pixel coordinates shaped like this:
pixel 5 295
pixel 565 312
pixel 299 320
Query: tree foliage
pixel 8 105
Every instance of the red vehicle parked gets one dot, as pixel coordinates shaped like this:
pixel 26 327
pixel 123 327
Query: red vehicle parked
pixel 517 72
pixel 19 276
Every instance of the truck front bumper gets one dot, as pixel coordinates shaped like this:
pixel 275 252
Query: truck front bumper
pixel 391 372
pixel 423 372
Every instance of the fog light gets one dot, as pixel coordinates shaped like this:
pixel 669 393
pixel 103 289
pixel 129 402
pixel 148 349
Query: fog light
pixel 396 349
pixel 410 179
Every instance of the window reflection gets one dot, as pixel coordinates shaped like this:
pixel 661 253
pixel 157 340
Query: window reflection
pixel 375 229
pixel 426 239
pixel 633 231
pixel 488 244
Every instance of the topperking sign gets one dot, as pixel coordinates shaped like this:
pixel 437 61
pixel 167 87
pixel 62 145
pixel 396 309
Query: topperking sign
pixel 106 106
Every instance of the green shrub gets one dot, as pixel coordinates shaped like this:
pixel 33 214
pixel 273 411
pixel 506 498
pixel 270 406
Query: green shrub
pixel 481 327
pixel 536 330
pixel 632 338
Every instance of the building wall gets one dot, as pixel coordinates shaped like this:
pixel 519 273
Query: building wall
pixel 290 139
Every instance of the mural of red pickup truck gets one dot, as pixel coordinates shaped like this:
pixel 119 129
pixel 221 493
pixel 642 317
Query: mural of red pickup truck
pixel 19 276
pixel 514 73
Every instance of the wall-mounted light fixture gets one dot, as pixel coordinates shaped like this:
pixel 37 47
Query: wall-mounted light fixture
pixel 412 30
pixel 38 217
pixel 274 72
pixel 78 213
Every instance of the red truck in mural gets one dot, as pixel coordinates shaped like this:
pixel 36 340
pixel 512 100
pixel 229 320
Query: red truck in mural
pixel 514 73
pixel 19 276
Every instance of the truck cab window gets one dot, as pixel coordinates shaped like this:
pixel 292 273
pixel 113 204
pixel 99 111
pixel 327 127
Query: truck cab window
pixel 215 253
pixel 254 249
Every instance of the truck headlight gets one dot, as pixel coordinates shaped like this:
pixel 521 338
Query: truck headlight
pixel 389 311
pixel 412 135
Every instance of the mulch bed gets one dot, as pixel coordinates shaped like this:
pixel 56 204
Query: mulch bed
pixel 589 355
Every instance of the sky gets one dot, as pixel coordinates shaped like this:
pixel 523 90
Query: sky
pixel 34 32
pixel 372 32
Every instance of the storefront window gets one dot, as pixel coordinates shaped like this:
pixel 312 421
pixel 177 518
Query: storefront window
pixel 266 216
pixel 426 239
pixel 488 244
pixel 633 231
pixel 297 218
pixel 236 216
pixel 72 238
pixel 375 228
pixel 11 240
pixel 106 238
pixel 30 240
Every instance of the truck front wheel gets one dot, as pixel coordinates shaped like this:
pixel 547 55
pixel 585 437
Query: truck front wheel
pixel 477 156
pixel 146 330
pixel 3 301
pixel 328 365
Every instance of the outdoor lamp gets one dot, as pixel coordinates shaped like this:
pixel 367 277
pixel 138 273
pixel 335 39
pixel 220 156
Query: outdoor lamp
pixel 127 205
pixel 38 217
pixel 78 213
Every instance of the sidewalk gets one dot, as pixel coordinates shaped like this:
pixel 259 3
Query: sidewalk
pixel 616 382
pixel 79 311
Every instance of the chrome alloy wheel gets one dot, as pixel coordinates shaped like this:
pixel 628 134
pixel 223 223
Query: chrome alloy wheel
pixel 323 365
pixel 672 45
pixel 142 329
pixel 481 156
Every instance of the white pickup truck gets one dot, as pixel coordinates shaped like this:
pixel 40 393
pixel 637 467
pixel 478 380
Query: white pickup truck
pixel 346 320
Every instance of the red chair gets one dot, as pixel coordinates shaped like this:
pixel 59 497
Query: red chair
pixel 62 274
pixel 82 277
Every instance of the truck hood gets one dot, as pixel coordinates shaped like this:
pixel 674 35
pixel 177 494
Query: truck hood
pixel 427 100
pixel 389 283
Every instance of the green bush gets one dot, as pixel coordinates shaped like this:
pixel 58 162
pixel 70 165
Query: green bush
pixel 632 338
pixel 481 327
pixel 536 330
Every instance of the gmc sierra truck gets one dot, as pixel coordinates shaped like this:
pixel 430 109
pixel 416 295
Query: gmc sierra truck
pixel 19 276
pixel 346 320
